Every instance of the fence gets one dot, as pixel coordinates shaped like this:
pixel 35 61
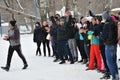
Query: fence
pixel 24 29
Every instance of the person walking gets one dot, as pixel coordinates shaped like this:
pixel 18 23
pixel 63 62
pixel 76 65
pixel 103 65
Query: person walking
pixel 14 38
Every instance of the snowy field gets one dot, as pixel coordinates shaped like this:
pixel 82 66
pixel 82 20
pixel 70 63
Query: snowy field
pixel 41 68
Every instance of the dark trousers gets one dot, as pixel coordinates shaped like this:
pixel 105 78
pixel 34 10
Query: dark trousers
pixel 63 46
pixel 80 45
pixel 54 47
pixel 10 54
pixel 46 43
pixel 87 49
pixel 38 48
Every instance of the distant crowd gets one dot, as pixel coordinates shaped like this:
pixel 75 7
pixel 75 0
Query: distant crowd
pixel 95 38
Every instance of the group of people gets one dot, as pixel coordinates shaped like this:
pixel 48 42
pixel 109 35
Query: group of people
pixel 95 38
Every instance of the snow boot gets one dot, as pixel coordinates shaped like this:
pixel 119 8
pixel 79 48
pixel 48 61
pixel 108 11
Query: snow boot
pixel 106 76
pixel 25 66
pixel 5 68
pixel 62 62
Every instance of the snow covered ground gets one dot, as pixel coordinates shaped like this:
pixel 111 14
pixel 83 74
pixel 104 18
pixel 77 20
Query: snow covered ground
pixel 41 68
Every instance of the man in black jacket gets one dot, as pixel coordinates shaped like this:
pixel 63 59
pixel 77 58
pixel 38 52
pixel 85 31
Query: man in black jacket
pixel 109 35
pixel 62 40
pixel 54 22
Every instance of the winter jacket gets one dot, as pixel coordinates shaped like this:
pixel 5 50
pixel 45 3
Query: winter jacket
pixel 14 36
pixel 38 34
pixel 45 33
pixel 110 32
pixel 62 33
pixel 53 32
pixel 71 30
pixel 101 29
pixel 95 39
pixel 119 35
pixel 80 36
pixel 95 32
pixel 53 29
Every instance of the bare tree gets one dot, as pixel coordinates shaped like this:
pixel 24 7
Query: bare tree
pixel 19 4
pixel 11 4
pixel 7 3
pixel 107 4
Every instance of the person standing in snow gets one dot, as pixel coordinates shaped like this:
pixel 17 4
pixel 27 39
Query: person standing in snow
pixel 110 37
pixel 62 40
pixel 80 42
pixel 95 47
pixel 37 38
pixel 14 38
pixel 45 41
pixel 71 31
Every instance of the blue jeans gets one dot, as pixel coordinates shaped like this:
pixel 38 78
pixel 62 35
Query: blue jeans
pixel 111 57
pixel 62 46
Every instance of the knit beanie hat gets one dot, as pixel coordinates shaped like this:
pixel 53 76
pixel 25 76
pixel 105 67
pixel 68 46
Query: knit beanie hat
pixel 106 15
pixel 13 22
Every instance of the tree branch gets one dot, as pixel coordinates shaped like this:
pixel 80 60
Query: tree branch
pixel 6 3
pixel 18 2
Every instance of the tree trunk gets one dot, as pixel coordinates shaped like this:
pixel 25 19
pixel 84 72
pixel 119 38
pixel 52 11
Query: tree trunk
pixel 68 4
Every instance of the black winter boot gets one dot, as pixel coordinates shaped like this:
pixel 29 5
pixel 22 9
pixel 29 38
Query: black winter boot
pixel 84 61
pixel 62 62
pixel 5 68
pixel 106 76
pixel 25 66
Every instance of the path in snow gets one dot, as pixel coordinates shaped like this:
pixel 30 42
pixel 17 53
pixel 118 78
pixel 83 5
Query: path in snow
pixel 41 68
